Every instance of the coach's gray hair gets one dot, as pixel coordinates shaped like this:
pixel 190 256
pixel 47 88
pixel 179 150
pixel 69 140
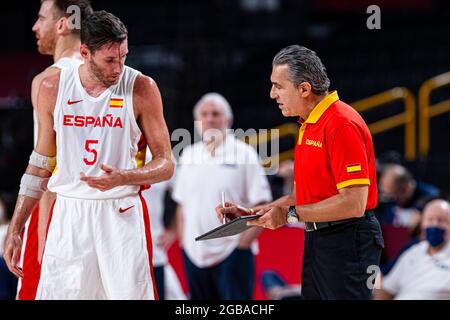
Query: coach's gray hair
pixel 218 100
pixel 304 66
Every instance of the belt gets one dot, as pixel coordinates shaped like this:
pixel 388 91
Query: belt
pixel 313 226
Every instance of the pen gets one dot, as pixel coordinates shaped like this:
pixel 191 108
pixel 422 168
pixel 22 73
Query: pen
pixel 223 206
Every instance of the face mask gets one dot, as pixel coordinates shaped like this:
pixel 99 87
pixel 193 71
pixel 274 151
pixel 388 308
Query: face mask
pixel 435 236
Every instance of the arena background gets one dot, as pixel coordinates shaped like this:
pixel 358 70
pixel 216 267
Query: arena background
pixel 193 47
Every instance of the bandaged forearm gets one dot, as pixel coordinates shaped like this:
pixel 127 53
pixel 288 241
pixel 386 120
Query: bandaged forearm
pixel 32 186
pixel 42 162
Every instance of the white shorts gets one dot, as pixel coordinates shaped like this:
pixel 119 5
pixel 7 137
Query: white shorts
pixel 98 249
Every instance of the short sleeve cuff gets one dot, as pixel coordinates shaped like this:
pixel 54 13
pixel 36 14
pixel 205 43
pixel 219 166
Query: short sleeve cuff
pixel 351 182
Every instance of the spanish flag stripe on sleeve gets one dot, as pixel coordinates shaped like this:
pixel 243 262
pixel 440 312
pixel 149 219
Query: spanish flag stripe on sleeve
pixel 353 168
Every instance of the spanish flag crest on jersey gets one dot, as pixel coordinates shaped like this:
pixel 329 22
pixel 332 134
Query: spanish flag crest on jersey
pixel 116 103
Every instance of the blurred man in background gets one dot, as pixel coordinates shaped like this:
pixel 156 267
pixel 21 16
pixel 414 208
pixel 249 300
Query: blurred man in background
pixel 218 268
pixel 423 271
pixel 407 196
pixel 402 199
pixel 57 37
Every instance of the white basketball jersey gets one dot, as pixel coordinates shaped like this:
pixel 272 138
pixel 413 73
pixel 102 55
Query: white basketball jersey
pixel 61 64
pixel 93 131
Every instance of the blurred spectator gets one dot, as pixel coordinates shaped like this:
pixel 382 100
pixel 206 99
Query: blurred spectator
pixel 423 271
pixel 402 199
pixel 8 282
pixel 223 268
pixel 406 196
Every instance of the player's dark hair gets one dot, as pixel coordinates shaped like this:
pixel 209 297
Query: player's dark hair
pixel 100 28
pixel 304 66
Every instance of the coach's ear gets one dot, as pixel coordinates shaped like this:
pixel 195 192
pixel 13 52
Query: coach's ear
pixel 305 89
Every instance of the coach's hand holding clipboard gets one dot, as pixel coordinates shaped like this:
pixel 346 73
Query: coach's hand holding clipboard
pixel 233 222
pixel 267 217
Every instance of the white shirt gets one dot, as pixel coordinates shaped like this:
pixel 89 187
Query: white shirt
pixel 91 131
pixel 419 276
pixel 201 177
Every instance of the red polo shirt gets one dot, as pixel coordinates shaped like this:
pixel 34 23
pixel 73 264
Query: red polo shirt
pixel 334 151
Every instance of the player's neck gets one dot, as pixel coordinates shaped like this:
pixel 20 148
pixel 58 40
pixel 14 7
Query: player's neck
pixel 93 86
pixel 67 47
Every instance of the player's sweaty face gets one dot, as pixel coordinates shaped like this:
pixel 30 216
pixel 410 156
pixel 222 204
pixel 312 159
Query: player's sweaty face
pixel 45 28
pixel 107 63
pixel 285 92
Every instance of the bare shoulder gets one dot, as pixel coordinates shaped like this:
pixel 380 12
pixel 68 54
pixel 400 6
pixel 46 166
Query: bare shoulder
pixel 50 83
pixel 48 91
pixel 146 94
pixel 144 86
pixel 37 80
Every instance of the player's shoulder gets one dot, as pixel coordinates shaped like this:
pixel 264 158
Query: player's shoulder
pixel 143 84
pixel 50 82
pixel 50 71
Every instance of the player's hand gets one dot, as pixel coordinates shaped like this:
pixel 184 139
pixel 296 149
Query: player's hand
pixel 231 211
pixel 13 246
pixel 112 177
pixel 271 218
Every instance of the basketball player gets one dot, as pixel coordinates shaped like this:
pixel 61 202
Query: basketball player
pixel 57 38
pixel 98 244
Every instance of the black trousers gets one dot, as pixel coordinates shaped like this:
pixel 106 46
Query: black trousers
pixel 339 261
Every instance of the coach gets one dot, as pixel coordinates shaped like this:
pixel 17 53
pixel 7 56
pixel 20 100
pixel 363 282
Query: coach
pixel 335 182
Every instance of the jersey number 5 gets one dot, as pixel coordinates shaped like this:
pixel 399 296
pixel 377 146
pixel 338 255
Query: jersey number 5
pixel 90 150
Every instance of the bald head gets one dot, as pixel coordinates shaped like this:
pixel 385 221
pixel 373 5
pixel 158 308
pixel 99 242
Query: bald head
pixel 437 214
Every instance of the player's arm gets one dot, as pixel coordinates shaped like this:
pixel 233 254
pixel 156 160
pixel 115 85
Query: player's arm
pixel 34 181
pixel 148 110
pixel 48 197
pixel 150 118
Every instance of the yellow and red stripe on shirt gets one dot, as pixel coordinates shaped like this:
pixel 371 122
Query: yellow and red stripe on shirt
pixel 115 103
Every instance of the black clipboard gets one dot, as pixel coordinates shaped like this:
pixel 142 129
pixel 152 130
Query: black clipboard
pixel 230 228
